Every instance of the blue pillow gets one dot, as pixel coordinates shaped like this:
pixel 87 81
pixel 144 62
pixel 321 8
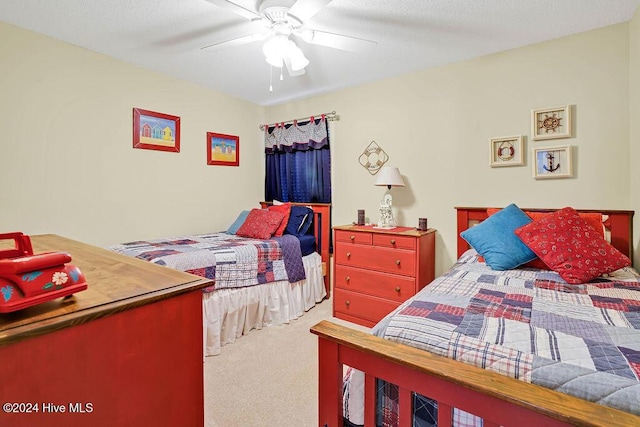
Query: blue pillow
pixel 233 228
pixel 495 240
pixel 300 220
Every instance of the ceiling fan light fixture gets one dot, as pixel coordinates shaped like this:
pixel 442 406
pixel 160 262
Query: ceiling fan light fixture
pixel 274 61
pixel 307 35
pixel 297 58
pixel 279 49
pixel 276 46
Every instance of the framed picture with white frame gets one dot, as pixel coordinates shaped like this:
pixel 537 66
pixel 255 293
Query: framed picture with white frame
pixel 506 151
pixel 552 162
pixel 551 123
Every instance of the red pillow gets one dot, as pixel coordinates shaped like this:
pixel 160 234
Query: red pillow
pixel 260 224
pixel 285 209
pixel 593 218
pixel 571 247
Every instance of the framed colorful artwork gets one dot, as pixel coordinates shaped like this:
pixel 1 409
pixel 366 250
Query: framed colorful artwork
pixel 156 131
pixel 551 123
pixel 552 162
pixel 507 151
pixel 223 150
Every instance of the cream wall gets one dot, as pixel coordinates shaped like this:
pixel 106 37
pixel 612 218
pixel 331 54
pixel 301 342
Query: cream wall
pixel 436 124
pixel 67 165
pixel 634 125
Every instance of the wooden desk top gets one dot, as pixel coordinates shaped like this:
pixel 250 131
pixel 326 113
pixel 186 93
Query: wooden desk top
pixel 115 283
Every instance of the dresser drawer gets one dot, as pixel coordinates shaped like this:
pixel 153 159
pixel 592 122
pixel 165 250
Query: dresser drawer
pixel 353 237
pixel 395 261
pixel 383 285
pixel 363 306
pixel 391 241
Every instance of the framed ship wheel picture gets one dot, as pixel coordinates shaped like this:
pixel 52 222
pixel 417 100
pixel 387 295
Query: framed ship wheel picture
pixel 551 123
pixel 507 151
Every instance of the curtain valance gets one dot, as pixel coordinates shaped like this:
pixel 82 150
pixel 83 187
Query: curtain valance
pixel 296 136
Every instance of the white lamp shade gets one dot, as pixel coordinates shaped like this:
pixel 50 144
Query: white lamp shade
pixel 389 176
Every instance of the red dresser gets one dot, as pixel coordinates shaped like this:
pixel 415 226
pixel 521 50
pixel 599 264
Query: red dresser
pixel 125 352
pixel 375 270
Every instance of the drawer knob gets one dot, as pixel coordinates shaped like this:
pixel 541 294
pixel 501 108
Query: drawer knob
pixel 347 303
pixel 393 241
pixel 347 278
pixel 348 254
pixel 397 262
pixel 352 237
pixel 398 289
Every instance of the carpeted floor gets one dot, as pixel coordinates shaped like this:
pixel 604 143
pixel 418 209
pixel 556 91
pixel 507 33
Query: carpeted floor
pixel 268 377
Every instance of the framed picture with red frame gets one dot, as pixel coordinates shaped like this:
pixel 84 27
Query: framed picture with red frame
pixel 223 150
pixel 156 131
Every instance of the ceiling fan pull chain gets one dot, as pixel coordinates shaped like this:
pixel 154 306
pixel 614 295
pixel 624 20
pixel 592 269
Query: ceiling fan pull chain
pixel 270 78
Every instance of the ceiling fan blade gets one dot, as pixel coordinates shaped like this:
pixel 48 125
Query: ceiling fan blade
pixel 338 41
pixel 306 9
pixel 233 42
pixel 237 9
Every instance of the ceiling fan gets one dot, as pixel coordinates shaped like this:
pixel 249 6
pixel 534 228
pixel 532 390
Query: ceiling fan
pixel 276 21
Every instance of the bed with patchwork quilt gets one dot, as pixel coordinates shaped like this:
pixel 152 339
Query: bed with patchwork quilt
pixel 486 346
pixel 527 324
pixel 261 277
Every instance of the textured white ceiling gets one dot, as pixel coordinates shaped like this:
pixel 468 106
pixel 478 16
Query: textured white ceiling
pixel 166 36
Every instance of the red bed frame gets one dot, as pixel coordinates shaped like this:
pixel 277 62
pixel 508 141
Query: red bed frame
pixel 499 400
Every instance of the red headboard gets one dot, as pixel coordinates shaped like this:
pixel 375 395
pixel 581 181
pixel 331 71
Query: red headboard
pixel 619 225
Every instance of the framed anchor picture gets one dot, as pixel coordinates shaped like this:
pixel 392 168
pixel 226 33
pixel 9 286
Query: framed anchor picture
pixel 552 162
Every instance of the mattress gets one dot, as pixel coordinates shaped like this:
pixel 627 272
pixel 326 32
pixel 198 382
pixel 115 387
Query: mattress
pixel 529 324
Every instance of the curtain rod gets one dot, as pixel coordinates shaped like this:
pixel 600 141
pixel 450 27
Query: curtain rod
pixel 329 116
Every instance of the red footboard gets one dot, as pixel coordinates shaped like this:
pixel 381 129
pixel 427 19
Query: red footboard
pixel 497 399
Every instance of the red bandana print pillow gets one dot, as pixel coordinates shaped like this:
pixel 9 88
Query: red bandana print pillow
pixel 260 224
pixel 285 209
pixel 571 247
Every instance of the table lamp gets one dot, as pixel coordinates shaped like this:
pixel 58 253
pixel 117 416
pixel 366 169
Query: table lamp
pixel 390 177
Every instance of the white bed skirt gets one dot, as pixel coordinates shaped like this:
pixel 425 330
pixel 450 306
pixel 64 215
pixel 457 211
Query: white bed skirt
pixel 230 313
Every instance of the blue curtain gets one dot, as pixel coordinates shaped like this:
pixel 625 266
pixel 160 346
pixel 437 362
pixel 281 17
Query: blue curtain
pixel 298 163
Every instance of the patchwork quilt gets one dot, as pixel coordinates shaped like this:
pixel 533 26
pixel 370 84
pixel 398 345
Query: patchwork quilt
pixel 231 260
pixel 582 340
